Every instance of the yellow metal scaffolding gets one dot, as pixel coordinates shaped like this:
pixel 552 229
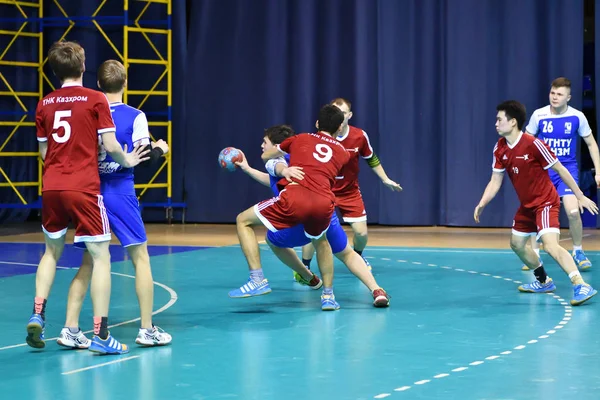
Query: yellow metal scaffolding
pixel 135 27
pixel 17 122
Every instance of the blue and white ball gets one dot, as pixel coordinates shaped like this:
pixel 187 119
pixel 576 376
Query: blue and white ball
pixel 228 157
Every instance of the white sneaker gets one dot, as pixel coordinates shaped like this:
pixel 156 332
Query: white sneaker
pixel 73 340
pixel 153 337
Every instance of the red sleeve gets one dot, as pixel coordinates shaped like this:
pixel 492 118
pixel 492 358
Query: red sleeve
pixel 39 124
pixel 497 165
pixel 286 144
pixel 542 152
pixel 105 121
pixel 365 150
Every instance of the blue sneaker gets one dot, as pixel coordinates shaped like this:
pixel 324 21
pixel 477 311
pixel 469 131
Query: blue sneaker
pixel 251 288
pixel 328 303
pixel 35 332
pixel 537 287
pixel 581 260
pixel 582 293
pixel 108 346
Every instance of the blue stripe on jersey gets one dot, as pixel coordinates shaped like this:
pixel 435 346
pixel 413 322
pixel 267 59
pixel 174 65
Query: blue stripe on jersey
pixel 113 177
pixel 275 179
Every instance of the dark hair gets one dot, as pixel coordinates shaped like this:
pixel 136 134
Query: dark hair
pixel 330 119
pixel 278 133
pixel 67 60
pixel 514 110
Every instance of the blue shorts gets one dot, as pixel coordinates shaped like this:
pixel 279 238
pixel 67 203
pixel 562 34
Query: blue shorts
pixel 295 236
pixel 125 219
pixel 560 186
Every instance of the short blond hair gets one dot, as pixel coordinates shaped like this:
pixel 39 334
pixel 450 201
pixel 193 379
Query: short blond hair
pixel 67 60
pixel 112 76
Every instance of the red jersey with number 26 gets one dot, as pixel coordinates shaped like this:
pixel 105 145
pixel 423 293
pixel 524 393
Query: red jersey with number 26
pixel 70 119
pixel 321 158
pixel 527 162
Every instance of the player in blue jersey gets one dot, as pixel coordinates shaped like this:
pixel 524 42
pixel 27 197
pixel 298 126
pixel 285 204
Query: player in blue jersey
pixel 559 125
pixel 283 241
pixel 120 200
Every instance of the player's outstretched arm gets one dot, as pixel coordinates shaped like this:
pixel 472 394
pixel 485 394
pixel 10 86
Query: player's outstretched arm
pixel 491 190
pixel 120 155
pixel 566 177
pixel 595 155
pixel 258 176
pixel 380 172
pixel 271 153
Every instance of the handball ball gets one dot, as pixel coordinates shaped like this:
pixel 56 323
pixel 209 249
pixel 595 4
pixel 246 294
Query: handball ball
pixel 228 156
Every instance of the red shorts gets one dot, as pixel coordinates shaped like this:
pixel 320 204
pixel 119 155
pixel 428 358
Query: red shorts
pixel 296 205
pixel 351 206
pixel 85 210
pixel 531 221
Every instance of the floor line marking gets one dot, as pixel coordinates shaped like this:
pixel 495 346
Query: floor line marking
pixel 120 360
pixel 564 320
pixel 168 305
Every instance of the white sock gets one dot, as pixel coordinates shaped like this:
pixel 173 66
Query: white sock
pixel 576 248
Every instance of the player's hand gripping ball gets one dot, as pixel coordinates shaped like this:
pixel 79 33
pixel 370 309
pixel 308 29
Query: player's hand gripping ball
pixel 228 157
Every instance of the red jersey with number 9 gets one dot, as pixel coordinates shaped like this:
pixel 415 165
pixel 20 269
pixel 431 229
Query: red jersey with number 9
pixel 321 158
pixel 70 119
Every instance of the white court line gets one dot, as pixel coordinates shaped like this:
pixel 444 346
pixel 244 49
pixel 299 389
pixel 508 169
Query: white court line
pixel 100 365
pixel 28 264
pixel 169 304
pixel 567 317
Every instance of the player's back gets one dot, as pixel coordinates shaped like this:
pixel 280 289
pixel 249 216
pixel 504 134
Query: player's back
pixel 321 158
pixel 132 128
pixel 70 120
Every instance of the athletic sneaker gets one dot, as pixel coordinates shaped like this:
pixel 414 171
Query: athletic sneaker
pixel 328 303
pixel 35 332
pixel 380 298
pixel 73 340
pixel 251 288
pixel 315 283
pixel 153 337
pixel 537 287
pixel 110 345
pixel 581 260
pixel 582 293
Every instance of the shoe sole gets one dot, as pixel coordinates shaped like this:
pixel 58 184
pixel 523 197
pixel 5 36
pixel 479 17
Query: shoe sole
pixel 525 268
pixel 107 353
pixel 74 347
pixel 151 344
pixel 249 295
pixel 381 303
pixel 34 333
pixel 580 302
pixel 533 291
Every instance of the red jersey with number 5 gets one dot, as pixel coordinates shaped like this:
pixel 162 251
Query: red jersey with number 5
pixel 527 161
pixel 70 119
pixel 321 158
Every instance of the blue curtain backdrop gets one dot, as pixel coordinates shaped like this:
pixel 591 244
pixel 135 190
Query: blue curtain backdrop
pixel 424 77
